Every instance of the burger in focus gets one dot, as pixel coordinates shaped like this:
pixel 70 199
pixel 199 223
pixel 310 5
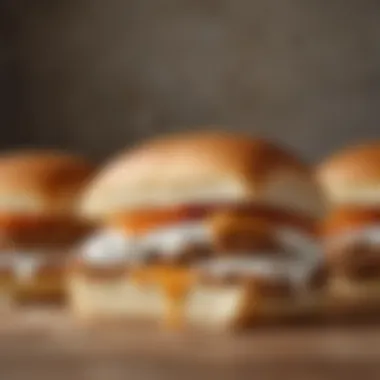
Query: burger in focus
pixel 206 229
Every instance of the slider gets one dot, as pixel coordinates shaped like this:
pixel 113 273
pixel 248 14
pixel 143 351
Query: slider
pixel 351 231
pixel 207 229
pixel 38 221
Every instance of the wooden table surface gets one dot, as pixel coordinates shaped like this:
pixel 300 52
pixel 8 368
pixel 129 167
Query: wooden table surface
pixel 47 345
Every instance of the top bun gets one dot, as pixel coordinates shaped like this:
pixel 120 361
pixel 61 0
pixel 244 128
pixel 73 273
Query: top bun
pixel 41 181
pixel 202 167
pixel 352 176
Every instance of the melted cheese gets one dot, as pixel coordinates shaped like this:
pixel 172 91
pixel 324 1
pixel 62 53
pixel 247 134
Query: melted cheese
pixel 175 283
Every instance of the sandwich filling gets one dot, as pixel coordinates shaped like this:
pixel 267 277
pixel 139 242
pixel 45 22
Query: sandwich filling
pixel 35 248
pixel 219 244
pixel 175 250
pixel 352 241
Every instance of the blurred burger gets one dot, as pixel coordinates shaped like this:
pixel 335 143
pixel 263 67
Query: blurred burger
pixel 38 223
pixel 351 180
pixel 201 228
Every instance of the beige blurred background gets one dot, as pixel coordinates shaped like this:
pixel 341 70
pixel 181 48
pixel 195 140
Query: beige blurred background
pixel 95 75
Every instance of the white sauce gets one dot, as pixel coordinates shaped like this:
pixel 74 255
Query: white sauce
pixel 297 271
pixel 25 265
pixel 246 264
pixel 369 234
pixel 170 241
pixel 304 257
pixel 299 243
pixel 111 247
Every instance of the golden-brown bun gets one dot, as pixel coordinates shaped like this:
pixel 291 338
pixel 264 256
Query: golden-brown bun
pixel 36 182
pixel 352 176
pixel 202 168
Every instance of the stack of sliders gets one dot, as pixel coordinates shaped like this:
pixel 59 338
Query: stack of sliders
pixel 351 181
pixel 204 229
pixel 38 224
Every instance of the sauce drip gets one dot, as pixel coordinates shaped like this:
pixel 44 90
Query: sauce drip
pixel 175 282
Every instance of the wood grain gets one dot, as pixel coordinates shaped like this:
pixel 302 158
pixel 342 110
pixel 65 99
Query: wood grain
pixel 47 344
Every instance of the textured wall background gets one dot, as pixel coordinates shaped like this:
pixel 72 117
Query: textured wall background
pixel 95 75
pixel 8 81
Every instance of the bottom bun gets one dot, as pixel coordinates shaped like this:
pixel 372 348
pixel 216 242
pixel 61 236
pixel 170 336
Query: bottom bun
pixel 42 288
pixel 239 306
pixel 113 299
pixel 346 289
pixel 207 306
pixel 215 306
pixel 348 299
pixel 6 300
pixel 40 293
pixel 6 291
